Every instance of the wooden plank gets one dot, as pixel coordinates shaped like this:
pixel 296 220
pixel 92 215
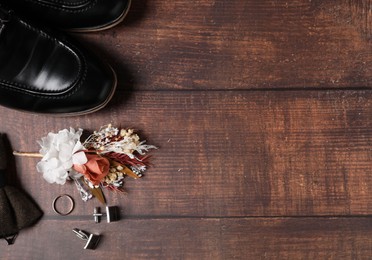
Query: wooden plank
pixel 248 44
pixel 237 153
pixel 309 238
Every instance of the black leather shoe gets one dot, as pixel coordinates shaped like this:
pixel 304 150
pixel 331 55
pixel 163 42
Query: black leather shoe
pixel 43 72
pixel 73 15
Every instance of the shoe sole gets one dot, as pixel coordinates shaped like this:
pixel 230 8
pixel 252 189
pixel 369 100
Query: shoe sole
pixel 104 27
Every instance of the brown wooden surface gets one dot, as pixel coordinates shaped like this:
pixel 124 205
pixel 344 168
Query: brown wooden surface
pixel 202 238
pixel 262 111
pixel 237 44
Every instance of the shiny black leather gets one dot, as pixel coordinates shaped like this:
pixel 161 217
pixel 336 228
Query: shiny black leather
pixel 48 73
pixel 76 15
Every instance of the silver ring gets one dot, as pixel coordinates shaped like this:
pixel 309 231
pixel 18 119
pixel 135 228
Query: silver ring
pixel 71 208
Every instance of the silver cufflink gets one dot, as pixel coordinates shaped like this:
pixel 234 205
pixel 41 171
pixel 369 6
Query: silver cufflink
pixel 92 240
pixel 112 214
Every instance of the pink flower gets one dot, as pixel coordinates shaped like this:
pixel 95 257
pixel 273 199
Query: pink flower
pixel 95 169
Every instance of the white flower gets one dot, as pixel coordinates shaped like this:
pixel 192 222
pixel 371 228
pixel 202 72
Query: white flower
pixel 60 152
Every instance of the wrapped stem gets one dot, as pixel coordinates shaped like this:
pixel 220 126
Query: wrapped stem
pixel 27 154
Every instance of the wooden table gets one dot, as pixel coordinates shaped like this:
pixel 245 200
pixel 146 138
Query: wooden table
pixel 262 111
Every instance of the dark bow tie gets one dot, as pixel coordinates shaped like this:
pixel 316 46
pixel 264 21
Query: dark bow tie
pixel 17 210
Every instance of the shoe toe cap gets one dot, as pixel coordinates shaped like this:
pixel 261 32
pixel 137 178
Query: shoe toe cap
pixel 91 93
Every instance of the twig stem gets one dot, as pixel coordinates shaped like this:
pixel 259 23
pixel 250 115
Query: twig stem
pixel 25 154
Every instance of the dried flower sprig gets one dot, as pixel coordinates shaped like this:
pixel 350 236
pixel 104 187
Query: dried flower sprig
pixel 104 159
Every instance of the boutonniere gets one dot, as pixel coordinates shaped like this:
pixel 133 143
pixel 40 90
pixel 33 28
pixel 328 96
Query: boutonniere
pixel 103 160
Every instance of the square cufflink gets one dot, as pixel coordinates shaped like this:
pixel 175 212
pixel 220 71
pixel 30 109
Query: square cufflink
pixel 92 239
pixel 112 214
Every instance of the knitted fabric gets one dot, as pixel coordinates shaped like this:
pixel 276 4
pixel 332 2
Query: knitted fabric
pixel 17 210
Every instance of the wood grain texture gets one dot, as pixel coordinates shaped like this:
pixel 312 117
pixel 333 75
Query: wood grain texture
pixel 309 238
pixel 232 153
pixel 262 112
pixel 218 44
